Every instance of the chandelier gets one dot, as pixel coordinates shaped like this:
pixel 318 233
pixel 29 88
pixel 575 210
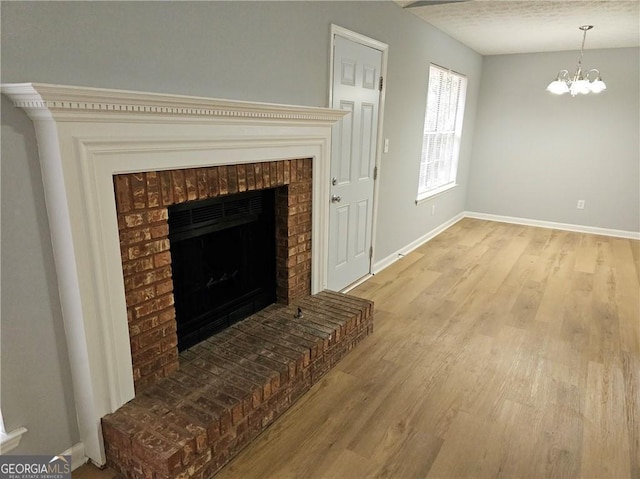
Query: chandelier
pixel 580 82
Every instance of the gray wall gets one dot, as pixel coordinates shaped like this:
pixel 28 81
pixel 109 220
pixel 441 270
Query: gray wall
pixel 274 52
pixel 35 383
pixel 536 154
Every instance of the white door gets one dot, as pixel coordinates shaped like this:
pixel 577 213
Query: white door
pixel 356 88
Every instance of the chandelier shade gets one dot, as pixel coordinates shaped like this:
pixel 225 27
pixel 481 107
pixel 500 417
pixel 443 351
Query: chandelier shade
pixel 581 82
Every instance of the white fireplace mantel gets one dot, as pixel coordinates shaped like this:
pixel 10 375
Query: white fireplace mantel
pixel 85 136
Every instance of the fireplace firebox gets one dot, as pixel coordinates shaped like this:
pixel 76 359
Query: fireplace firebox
pixel 223 260
pixel 259 213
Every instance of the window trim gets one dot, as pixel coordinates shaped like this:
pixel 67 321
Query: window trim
pixel 431 194
pixel 421 196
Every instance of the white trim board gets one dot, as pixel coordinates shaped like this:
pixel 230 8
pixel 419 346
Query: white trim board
pixel 392 258
pixel 558 226
pixel 77 455
pixel 357 283
pixel 10 440
pixel 380 265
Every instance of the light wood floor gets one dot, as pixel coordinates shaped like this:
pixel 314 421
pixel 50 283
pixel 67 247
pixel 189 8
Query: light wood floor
pixel 498 351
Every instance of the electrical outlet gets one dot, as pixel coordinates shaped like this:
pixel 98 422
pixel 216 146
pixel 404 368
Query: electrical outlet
pixel 433 210
pixel 580 204
pixel 386 145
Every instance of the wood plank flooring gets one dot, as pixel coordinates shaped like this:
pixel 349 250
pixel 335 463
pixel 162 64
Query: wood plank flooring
pixel 499 351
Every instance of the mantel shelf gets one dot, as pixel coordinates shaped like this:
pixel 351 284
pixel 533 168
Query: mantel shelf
pixel 37 98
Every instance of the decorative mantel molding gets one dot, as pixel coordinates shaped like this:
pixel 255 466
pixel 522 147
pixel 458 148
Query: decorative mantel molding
pixel 87 135
pixel 60 99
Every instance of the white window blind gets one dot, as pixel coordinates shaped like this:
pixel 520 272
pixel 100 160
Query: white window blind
pixel 442 131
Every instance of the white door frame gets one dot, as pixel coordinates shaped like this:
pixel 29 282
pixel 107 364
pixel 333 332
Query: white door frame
pixel 384 48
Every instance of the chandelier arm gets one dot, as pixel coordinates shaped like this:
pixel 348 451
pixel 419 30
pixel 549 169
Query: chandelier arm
pixel 581 81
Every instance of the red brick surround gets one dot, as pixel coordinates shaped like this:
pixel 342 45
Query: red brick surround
pixel 141 203
pixel 231 387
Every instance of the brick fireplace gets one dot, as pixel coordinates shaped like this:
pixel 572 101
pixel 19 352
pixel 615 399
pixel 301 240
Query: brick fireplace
pixel 194 411
pixel 141 203
pixel 88 136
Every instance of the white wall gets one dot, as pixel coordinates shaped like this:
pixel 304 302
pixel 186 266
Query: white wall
pixel 264 51
pixel 536 154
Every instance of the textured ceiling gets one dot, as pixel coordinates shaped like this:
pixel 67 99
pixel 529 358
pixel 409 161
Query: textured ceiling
pixel 494 27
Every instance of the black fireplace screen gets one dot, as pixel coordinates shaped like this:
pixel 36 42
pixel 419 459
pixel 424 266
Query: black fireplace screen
pixel 223 261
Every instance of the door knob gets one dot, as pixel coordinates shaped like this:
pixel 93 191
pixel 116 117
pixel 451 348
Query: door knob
pixel 335 199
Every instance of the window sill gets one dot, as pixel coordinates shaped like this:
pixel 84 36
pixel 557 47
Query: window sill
pixel 433 193
pixel 9 441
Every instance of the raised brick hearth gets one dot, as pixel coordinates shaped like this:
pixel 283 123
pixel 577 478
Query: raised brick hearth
pixel 231 387
pixel 141 202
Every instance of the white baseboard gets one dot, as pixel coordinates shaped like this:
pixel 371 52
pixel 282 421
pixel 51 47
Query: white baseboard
pixel 77 455
pixel 356 284
pixel 392 258
pixel 550 224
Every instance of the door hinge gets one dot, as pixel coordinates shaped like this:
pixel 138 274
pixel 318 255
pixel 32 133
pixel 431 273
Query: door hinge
pixel 375 172
pixel 370 252
pixel 381 83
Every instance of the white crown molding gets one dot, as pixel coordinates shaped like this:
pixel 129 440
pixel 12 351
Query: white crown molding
pixel 87 135
pixel 58 100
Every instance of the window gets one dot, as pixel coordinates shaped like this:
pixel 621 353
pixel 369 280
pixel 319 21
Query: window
pixel 442 131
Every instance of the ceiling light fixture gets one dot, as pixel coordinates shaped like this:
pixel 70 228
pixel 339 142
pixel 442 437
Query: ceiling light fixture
pixel 581 82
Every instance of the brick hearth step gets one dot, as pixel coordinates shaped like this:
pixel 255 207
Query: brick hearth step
pixel 231 387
